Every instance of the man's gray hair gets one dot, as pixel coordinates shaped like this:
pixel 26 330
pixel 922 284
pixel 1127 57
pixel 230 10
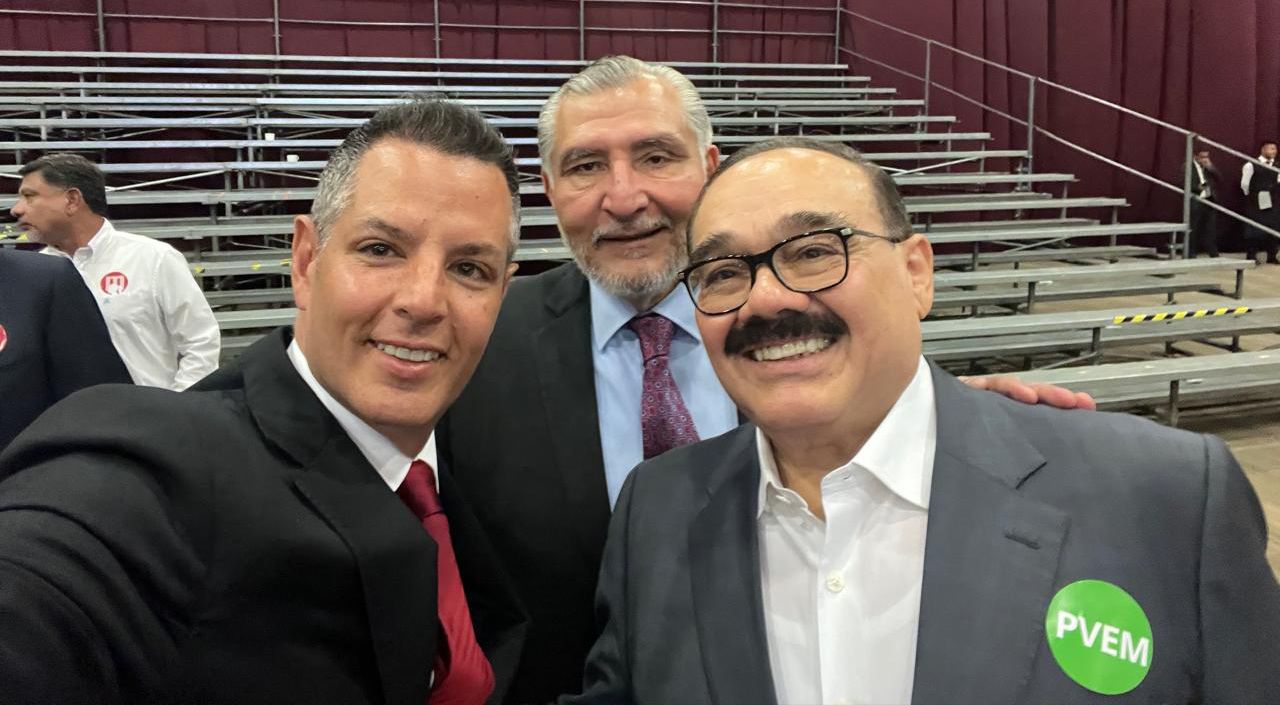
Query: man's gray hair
pixel 893 210
pixel 615 72
pixel 447 127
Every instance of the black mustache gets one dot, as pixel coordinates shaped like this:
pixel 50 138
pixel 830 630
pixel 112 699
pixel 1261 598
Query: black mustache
pixel 789 325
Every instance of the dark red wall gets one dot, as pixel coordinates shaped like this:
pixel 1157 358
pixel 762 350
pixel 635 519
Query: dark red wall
pixel 253 32
pixel 1208 65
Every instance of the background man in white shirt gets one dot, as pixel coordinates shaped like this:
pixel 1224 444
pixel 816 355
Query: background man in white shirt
pixel 157 315
pixel 883 534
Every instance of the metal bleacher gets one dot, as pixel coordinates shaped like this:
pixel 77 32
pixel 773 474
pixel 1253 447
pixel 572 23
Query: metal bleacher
pixel 217 157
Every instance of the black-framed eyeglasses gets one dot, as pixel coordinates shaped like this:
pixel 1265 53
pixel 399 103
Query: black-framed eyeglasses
pixel 804 263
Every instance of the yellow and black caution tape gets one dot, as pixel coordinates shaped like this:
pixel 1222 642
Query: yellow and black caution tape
pixel 1179 315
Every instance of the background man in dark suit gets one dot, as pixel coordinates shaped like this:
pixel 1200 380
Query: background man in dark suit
pixel 544 436
pixel 52 339
pixel 1205 183
pixel 1259 184
pixel 243 542
pixel 881 533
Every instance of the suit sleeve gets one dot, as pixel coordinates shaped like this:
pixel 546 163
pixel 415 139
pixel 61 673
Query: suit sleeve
pixel 96 574
pixel 189 320
pixel 80 350
pixel 1239 596
pixel 607 679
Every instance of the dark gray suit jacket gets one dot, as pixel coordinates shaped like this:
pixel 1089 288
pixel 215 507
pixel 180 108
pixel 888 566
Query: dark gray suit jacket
pixel 1025 500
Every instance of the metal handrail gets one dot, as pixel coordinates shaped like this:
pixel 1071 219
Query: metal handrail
pixel 1032 129
pixel 276 19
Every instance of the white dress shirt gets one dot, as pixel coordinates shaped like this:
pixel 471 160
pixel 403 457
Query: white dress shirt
pixel 382 454
pixel 157 315
pixel 1205 188
pixel 1246 175
pixel 842 599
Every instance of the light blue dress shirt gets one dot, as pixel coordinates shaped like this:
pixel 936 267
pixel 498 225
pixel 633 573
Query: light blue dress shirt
pixel 619 371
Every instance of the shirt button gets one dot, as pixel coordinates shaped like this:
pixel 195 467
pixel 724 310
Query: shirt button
pixel 835 582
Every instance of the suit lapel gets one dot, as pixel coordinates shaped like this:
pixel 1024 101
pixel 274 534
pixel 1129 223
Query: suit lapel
pixel 991 556
pixel 395 557
pixel 724 565
pixel 499 619
pixel 566 374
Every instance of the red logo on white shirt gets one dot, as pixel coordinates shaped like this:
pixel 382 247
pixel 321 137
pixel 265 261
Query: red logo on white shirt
pixel 114 283
pixel 4 338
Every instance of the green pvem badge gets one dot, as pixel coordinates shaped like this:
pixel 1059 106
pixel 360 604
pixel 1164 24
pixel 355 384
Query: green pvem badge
pixel 1099 636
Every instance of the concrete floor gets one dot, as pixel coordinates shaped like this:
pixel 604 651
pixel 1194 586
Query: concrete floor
pixel 1253 434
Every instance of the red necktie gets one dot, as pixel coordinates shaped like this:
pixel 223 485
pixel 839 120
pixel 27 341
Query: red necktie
pixel 463 675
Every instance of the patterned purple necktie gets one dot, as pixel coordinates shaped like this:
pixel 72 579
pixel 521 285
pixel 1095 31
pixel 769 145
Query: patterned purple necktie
pixel 664 420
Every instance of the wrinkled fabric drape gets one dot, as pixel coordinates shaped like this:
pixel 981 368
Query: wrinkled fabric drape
pixel 1210 66
pixel 534 29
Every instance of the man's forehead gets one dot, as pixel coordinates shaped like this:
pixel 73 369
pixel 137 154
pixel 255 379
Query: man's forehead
pixel 765 191
pixel 625 113
pixel 34 180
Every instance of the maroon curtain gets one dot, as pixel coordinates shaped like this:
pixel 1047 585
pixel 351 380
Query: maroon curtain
pixel 1207 65
pixel 532 29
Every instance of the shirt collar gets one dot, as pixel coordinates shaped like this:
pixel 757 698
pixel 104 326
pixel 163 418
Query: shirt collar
pixel 899 452
pixel 609 314
pixel 391 464
pixel 97 242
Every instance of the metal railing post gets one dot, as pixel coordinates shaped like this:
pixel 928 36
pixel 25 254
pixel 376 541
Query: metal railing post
pixel 582 30
pixel 715 31
pixel 102 29
pixel 1188 155
pixel 928 72
pixel 835 50
pixel 275 23
pixel 1031 123
pixel 435 24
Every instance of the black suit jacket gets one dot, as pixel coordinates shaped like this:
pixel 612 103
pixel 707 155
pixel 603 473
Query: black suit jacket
pixel 524 444
pixel 1024 501
pixel 1212 176
pixel 54 338
pixel 228 544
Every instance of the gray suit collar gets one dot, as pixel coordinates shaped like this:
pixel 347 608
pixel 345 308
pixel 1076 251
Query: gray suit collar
pixel 724 564
pixel 991 555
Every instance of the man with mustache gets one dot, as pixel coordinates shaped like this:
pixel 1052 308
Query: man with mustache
pixel 881 533
pixel 596 365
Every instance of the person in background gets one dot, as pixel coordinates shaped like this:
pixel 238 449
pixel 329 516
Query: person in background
pixel 52 339
pixel 1205 182
pixel 156 313
pixel 1260 188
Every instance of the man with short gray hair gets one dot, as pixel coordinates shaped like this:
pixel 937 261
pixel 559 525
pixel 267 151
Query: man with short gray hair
pixel 283 531
pixel 596 365
pixel 157 315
